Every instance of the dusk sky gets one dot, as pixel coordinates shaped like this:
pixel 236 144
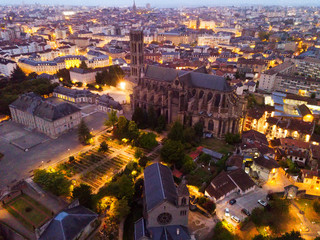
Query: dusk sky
pixel 167 3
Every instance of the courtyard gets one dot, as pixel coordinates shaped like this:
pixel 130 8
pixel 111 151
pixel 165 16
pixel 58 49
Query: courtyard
pixel 18 164
pixel 28 211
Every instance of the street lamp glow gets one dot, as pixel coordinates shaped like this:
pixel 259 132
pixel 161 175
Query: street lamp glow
pixel 123 85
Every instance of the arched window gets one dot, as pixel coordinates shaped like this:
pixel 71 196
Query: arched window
pixel 210 125
pixel 201 94
pixel 209 96
pixel 183 201
pixel 217 100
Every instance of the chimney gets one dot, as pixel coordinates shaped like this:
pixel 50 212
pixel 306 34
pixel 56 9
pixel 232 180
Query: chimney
pixel 178 231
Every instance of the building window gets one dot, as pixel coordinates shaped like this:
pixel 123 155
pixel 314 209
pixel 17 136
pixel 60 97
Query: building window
pixel 183 213
pixel 183 201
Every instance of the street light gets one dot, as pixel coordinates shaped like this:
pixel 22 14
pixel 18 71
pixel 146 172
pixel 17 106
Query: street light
pixel 123 85
pixel 305 205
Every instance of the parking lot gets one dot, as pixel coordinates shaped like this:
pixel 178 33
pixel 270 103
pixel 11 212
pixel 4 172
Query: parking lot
pixel 248 201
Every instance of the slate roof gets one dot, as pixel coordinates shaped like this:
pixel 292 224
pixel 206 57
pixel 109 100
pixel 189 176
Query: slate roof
pixel 192 78
pixel 159 186
pixel 73 92
pixel 53 112
pixel 68 224
pixel 140 230
pixel 42 108
pixel 106 100
pixel 170 233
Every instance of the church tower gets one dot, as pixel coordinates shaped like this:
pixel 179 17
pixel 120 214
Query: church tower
pixel 134 8
pixel 136 52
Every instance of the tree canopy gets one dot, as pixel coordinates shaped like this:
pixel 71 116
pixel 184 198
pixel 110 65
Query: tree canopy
pixel 18 75
pixel 55 182
pixel 83 192
pixel 112 118
pixel 84 134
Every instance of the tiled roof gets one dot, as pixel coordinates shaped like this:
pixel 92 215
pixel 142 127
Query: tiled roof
pixel 265 162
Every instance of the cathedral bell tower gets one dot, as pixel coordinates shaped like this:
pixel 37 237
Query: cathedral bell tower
pixel 137 55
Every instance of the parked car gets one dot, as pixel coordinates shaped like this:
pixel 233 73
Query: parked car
pixel 263 203
pixel 245 211
pixel 235 219
pixel 227 212
pixel 232 201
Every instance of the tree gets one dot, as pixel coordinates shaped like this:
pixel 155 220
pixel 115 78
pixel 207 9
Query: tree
pixel 18 75
pixel 83 192
pixel 189 134
pixel 259 237
pixel 221 233
pixel 64 76
pixel 232 138
pixel 161 124
pixel 293 235
pixel 71 159
pixel 172 152
pixel 84 134
pixel 116 74
pixel 147 140
pixel 55 182
pixel 209 206
pixel 119 209
pixel 32 75
pixel 316 206
pixel 176 132
pixel 143 161
pixel 121 131
pixel 103 147
pixel 112 118
pixel 152 118
pixel 188 165
pixel 79 84
pixel 122 188
pixel 198 128
pixel 204 158
pixel 83 65
pixel 133 131
pixel 138 153
pixel 139 117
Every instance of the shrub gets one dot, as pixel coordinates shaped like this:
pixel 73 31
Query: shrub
pixel 316 206
pixel 143 161
pixel 71 159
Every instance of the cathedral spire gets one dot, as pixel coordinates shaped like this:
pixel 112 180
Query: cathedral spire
pixel 134 8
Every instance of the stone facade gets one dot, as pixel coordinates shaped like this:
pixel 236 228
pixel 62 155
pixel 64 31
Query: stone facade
pixel 137 54
pixel 45 116
pixel 190 97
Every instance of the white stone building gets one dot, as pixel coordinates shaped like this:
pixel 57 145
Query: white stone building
pixel 7 66
pixel 45 115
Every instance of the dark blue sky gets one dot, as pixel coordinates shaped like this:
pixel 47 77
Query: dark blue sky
pixel 168 3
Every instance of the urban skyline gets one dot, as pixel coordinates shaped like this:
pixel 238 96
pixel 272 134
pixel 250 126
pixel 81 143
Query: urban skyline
pixel 164 4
